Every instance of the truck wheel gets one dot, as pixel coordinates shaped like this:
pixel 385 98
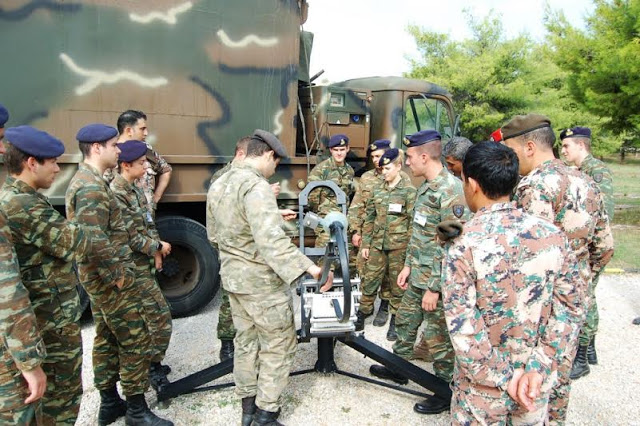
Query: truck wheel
pixel 190 274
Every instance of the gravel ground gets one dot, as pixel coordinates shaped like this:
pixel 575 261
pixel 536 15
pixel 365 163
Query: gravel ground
pixel 607 396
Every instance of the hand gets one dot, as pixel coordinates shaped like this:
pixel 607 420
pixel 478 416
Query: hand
pixel 165 248
pixel 156 200
pixel 328 284
pixel 356 239
pixel 120 282
pixel 365 253
pixel 157 259
pixel 288 214
pixel 402 278
pixel 430 300
pixel 512 387
pixel 36 382
pixel 529 389
pixel 275 187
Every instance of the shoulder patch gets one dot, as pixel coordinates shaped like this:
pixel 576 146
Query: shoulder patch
pixel 597 177
pixel 458 210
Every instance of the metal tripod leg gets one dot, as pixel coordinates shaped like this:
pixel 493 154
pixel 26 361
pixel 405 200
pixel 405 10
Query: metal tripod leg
pixel 189 383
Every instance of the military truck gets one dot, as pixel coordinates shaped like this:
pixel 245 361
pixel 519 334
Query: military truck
pixel 206 72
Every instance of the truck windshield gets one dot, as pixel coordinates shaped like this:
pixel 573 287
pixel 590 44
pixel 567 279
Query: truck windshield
pixel 427 113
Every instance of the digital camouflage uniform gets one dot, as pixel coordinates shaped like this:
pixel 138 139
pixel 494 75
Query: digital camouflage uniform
pixel 563 195
pixel 601 174
pixel 47 245
pixel 122 346
pixel 143 241
pixel 23 347
pixel 510 302
pixel 157 166
pixel 258 264
pixel 437 200
pixel 386 233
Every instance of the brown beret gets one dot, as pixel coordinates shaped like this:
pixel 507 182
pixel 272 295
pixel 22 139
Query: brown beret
pixel 521 124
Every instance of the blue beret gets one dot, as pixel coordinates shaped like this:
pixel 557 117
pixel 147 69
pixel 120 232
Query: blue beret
pixel 34 142
pixel 576 132
pixel 338 140
pixel 420 138
pixel 389 157
pixel 92 133
pixel 379 144
pixel 4 115
pixel 131 150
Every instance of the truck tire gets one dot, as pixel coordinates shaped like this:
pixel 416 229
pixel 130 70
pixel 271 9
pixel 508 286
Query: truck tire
pixel 190 275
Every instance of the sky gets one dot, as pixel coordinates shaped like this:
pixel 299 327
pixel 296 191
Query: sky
pixel 360 38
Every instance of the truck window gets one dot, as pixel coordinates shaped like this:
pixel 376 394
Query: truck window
pixel 423 113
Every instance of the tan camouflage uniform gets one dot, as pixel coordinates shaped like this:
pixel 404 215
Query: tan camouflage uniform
pixel 157 166
pixel 122 346
pixel 258 264
pixel 510 302
pixel 563 196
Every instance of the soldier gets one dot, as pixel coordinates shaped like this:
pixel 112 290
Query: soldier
pixel 576 148
pixel 132 125
pixel 440 198
pixel 454 152
pixel 258 263
pixel 148 252
pixel 509 298
pixel 122 345
pixel 563 196
pixel 386 235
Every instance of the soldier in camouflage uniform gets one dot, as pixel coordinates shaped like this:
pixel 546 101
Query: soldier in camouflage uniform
pixel 563 196
pixel 454 152
pixel 576 148
pixel 258 263
pixel 439 199
pixel 148 252
pixel 509 298
pixel 122 347
pixel 386 233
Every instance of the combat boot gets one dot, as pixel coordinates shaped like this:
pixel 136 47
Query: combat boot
pixel 392 336
pixel 139 414
pixel 580 365
pixel 112 407
pixel 157 376
pixel 382 315
pixel 592 356
pixel 248 410
pixel 360 320
pixel 267 418
pixel 227 350
pixel 432 405
pixel 384 373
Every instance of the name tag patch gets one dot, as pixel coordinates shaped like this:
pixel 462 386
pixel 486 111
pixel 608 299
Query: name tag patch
pixel 395 208
pixel 420 219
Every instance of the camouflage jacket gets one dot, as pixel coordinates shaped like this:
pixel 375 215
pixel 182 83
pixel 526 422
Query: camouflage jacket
pixel 244 222
pixel 564 196
pixel 509 297
pixel 143 236
pixel 323 200
pixel 436 200
pixel 220 172
pixel 90 202
pixel 157 166
pixel 368 181
pixel 388 216
pixel 600 173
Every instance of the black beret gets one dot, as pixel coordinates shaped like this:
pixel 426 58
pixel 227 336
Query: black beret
pixel 131 150
pixel 521 124
pixel 34 142
pixel 4 115
pixel 379 144
pixel 92 133
pixel 421 137
pixel 271 140
pixel 338 140
pixel 388 157
pixel 576 132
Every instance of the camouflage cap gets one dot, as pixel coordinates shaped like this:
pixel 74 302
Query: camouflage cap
pixel 388 157
pixel 379 144
pixel 4 115
pixel 521 124
pixel 271 140
pixel 421 137
pixel 338 140
pixel 34 142
pixel 131 150
pixel 92 133
pixel 576 132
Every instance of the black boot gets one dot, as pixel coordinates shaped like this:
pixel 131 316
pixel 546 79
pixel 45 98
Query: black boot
pixel 392 336
pixel 157 376
pixel 636 321
pixel 248 410
pixel 138 413
pixel 112 407
pixel 269 418
pixel 384 373
pixel 226 350
pixel 580 365
pixel 592 356
pixel 382 315
pixel 432 405
pixel 360 321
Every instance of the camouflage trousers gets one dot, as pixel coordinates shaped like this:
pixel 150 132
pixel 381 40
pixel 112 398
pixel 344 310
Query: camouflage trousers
pixel 590 326
pixel 29 415
pixel 559 398
pixel 383 266
pixel 226 330
pixel 158 314
pixel 265 345
pixel 63 368
pixel 384 291
pixel 409 317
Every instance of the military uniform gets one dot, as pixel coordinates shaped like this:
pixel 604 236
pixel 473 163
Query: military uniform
pixel 157 166
pixel 510 302
pixel 122 346
pixel 258 264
